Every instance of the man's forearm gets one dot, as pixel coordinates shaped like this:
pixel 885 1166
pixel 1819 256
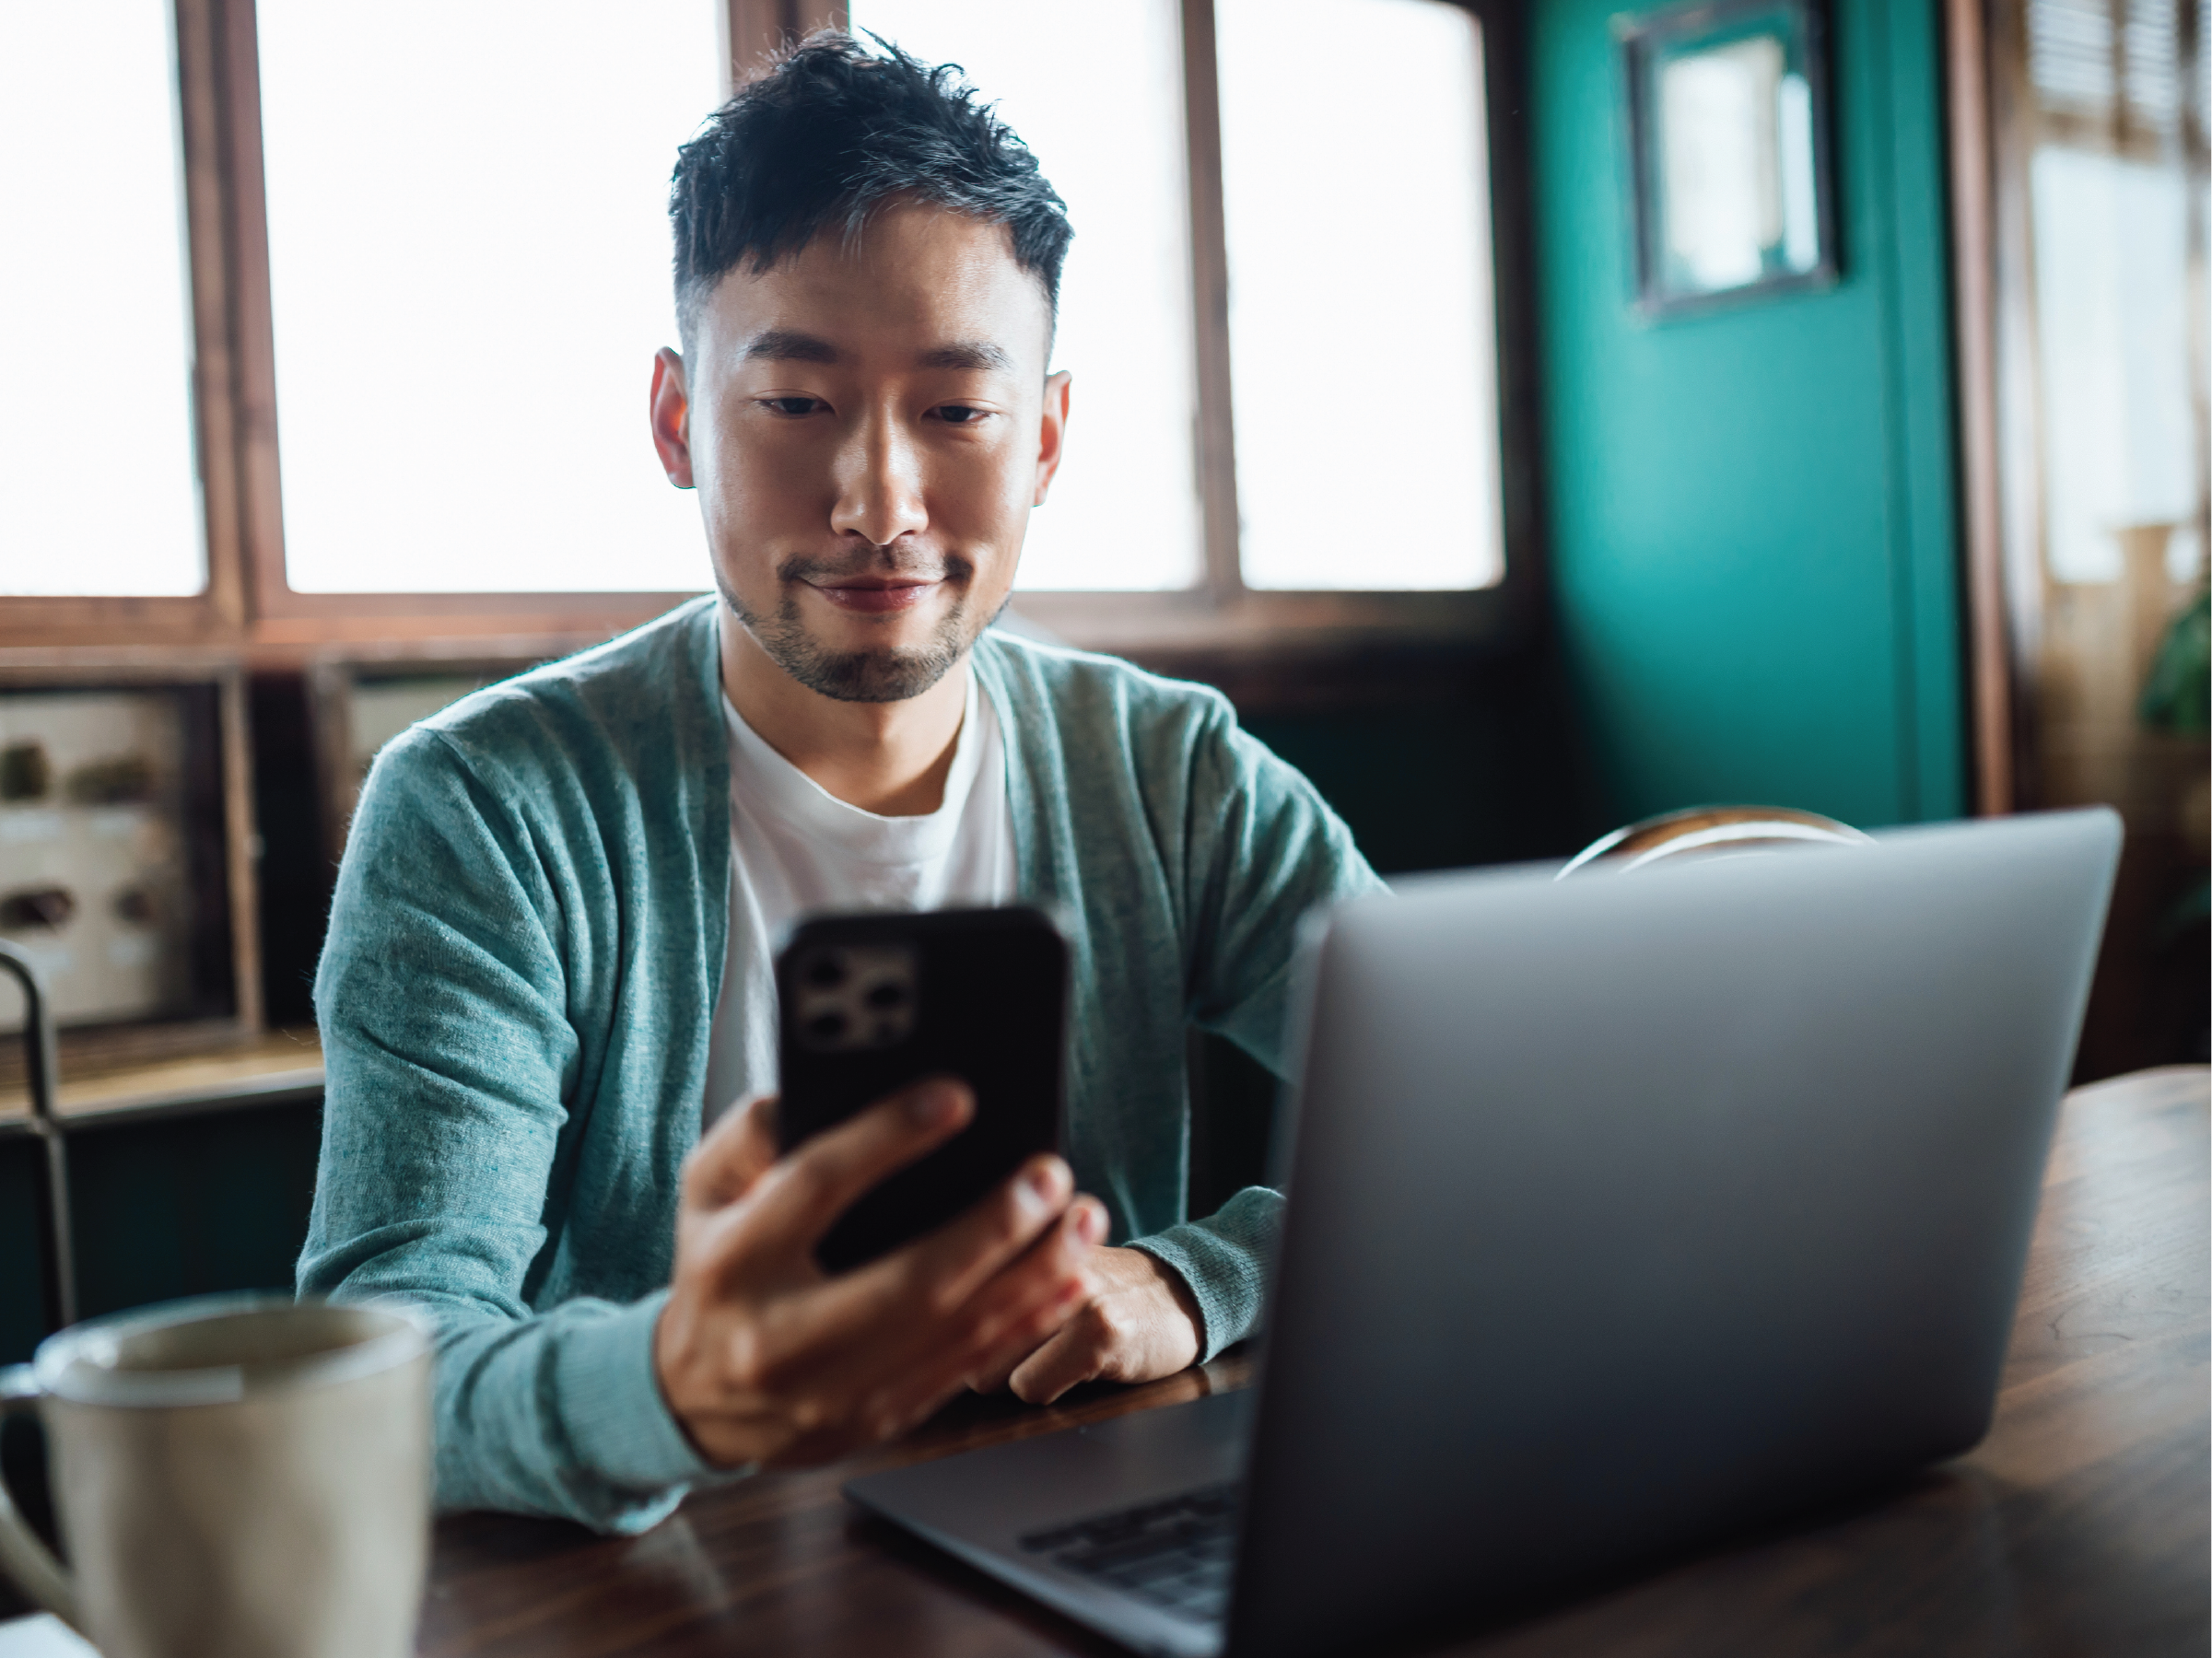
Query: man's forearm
pixel 558 1415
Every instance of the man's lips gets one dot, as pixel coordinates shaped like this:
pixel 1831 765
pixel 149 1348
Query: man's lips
pixel 876 596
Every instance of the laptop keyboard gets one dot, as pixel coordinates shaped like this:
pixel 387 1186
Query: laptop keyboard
pixel 1176 1553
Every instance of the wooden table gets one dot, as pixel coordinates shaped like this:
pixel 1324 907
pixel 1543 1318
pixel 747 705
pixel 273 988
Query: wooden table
pixel 2079 1526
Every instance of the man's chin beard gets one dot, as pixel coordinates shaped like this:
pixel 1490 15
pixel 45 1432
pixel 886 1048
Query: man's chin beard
pixel 889 675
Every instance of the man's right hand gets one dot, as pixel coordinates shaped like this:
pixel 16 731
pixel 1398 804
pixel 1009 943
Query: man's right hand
pixel 765 1359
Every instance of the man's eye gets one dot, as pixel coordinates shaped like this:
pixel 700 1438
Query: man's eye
pixel 960 414
pixel 792 405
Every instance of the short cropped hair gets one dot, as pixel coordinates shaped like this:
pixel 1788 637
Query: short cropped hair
pixel 828 134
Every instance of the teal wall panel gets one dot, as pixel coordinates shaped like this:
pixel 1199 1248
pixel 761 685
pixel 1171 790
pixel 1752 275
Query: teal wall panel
pixel 22 1247
pixel 1751 515
pixel 187 1204
pixel 1482 778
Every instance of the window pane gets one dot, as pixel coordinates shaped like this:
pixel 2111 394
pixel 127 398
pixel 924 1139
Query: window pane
pixel 1362 348
pixel 1095 90
pixel 469 254
pixel 2111 287
pixel 101 487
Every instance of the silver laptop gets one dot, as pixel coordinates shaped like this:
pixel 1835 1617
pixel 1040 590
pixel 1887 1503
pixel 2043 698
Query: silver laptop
pixel 1625 1212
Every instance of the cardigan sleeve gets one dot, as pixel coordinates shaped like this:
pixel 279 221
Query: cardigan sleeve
pixel 1263 848
pixel 449 1056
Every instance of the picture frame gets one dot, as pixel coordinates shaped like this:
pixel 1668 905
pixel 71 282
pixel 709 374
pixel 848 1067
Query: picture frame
pixel 127 856
pixel 1730 153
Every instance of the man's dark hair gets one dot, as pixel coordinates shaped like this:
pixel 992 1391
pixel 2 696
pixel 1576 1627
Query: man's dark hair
pixel 827 135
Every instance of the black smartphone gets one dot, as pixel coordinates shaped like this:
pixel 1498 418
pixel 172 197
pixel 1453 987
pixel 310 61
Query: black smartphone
pixel 869 1003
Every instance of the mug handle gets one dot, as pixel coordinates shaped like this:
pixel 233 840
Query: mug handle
pixel 22 1556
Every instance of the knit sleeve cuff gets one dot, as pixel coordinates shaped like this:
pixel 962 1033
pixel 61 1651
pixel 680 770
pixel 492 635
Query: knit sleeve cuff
pixel 618 1423
pixel 1224 1259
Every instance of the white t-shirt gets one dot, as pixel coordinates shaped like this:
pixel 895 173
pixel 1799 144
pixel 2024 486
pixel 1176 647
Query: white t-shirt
pixel 795 849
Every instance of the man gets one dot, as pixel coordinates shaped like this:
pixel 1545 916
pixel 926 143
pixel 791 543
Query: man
pixel 548 960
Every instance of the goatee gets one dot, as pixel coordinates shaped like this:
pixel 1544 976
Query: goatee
pixel 889 674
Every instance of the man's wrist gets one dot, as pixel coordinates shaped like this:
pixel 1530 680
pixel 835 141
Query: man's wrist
pixel 723 1461
pixel 661 1362
pixel 1175 1287
pixel 614 1410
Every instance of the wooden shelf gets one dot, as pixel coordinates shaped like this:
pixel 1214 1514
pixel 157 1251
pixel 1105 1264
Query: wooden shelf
pixel 265 1070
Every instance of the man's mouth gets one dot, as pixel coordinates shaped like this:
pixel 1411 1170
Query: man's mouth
pixel 876 595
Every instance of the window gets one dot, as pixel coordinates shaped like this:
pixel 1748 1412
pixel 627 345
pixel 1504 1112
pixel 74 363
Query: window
pixel 2108 204
pixel 463 345
pixel 420 398
pixel 1360 336
pixel 96 353
pixel 1355 222
pixel 1124 511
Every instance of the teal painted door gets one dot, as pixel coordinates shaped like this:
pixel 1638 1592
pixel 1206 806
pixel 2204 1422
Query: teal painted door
pixel 1752 519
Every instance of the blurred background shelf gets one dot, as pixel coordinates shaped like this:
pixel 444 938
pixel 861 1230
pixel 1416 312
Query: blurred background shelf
pixel 276 1067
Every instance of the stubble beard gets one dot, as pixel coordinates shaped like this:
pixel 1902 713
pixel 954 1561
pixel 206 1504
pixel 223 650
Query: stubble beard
pixel 891 674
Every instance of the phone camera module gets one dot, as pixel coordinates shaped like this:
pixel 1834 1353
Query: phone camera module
pixel 855 997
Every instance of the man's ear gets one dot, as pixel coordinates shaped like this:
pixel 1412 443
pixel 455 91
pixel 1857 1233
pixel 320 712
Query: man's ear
pixel 1052 431
pixel 672 417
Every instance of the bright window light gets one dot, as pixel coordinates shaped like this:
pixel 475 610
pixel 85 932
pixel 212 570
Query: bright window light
pixel 1361 341
pixel 470 266
pixel 1096 92
pixel 2111 281
pixel 102 495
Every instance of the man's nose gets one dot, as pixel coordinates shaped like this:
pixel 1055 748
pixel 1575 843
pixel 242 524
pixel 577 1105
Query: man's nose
pixel 879 484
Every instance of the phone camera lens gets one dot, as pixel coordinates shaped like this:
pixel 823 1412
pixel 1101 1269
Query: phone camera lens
pixel 825 1028
pixel 887 995
pixel 826 971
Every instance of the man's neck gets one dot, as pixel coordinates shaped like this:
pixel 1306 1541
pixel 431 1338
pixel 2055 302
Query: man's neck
pixel 889 758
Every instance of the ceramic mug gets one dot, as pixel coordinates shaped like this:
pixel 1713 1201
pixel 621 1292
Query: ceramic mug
pixel 244 1475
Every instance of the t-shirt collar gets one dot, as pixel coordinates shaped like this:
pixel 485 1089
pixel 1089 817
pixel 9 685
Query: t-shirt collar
pixel 763 782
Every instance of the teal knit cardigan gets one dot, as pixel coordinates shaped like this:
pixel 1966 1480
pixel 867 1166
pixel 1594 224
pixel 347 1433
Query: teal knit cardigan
pixel 524 954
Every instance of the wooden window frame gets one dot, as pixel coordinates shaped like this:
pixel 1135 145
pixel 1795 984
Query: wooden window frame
pixel 249 604
pixel 1994 669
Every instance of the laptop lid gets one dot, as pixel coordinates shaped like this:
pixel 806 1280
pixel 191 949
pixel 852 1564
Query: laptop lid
pixel 1629 1210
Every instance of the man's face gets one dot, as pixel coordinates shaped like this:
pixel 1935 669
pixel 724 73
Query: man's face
pixel 868 427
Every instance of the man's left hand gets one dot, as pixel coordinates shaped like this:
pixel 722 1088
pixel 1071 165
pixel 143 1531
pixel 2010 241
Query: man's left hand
pixel 1140 1324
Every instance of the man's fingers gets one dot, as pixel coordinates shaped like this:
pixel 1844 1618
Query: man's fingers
pixel 895 1377
pixel 1084 1228
pixel 1020 1309
pixel 875 1369
pixel 997 1339
pixel 934 1292
pixel 732 1155
pixel 802 1196
pixel 887 1319
pixel 1076 1353
pixel 957 1259
pixel 880 1339
pixel 914 1399
pixel 993 1378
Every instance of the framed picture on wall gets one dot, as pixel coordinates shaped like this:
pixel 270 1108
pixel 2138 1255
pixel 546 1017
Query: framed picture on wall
pixel 1728 123
pixel 127 859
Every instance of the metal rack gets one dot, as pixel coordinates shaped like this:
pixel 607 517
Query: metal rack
pixel 37 1041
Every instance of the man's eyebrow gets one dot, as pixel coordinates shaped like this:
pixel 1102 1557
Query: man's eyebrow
pixel 967 353
pixel 788 345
